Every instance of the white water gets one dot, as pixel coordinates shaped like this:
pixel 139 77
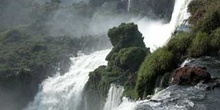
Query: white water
pixel 114 97
pixel 185 62
pixel 156 33
pixel 129 5
pixel 64 92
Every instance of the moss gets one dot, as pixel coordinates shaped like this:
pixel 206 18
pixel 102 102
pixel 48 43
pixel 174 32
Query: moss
pixel 211 22
pixel 215 40
pixel 129 91
pixel 179 43
pixel 96 83
pixel 156 63
pixel 124 36
pixel 101 78
pixel 200 45
pixel 206 17
pixel 123 61
pixel 195 5
pixel 130 58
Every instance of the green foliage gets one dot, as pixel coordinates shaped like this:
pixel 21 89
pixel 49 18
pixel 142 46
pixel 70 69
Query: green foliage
pixel 215 39
pixel 157 63
pixel 101 78
pixel 126 35
pixel 200 45
pixel 19 50
pixel 128 46
pixel 179 43
pixel 206 21
pixel 210 22
pixel 195 5
pixel 205 15
pixel 131 58
pixel 123 61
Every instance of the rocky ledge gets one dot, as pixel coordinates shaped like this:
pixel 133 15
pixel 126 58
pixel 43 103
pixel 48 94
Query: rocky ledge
pixel 189 75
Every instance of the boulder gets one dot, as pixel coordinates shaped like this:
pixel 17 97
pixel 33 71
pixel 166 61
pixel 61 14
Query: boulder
pixel 190 76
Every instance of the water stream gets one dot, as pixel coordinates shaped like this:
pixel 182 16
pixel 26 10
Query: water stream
pixel 114 97
pixel 65 92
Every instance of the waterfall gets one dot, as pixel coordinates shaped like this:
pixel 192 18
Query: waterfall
pixel 114 97
pixel 129 5
pixel 157 28
pixel 157 33
pixel 64 92
pixel 185 62
pixel 179 13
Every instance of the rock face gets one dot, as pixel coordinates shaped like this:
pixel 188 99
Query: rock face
pixel 190 75
pixel 123 62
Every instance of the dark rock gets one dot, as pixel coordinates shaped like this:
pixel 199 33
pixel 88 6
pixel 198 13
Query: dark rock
pixel 190 76
pixel 213 83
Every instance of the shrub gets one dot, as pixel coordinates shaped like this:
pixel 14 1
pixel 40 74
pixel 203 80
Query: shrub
pixel 126 35
pixel 195 5
pixel 131 58
pixel 209 21
pixel 199 46
pixel 154 64
pixel 179 43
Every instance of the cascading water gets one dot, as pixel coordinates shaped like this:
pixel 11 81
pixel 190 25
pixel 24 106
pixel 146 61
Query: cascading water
pixel 129 5
pixel 114 97
pixel 156 33
pixel 64 92
pixel 158 30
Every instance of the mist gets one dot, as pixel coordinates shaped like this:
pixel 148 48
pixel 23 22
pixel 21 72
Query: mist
pixel 64 2
pixel 76 19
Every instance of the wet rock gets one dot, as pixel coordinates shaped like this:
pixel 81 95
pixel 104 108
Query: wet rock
pixel 213 83
pixel 190 75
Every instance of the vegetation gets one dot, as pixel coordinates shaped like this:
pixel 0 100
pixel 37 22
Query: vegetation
pixel 26 60
pixel 200 45
pixel 125 36
pixel 123 62
pixel 179 43
pixel 205 15
pixel 215 40
pixel 33 57
pixel 203 39
pixel 195 5
pixel 130 58
pixel 28 53
pixel 155 64
pixel 206 20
